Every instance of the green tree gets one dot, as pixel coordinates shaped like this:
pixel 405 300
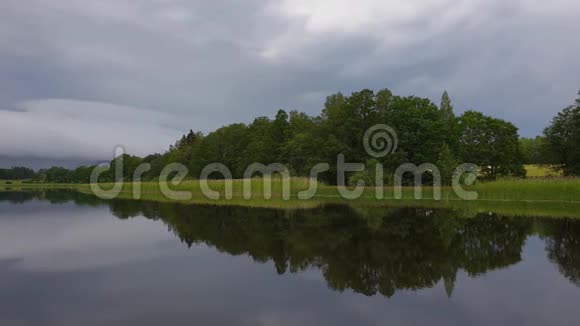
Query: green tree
pixel 563 139
pixel 535 150
pixel 185 151
pixel 449 121
pixel 491 143
pixel 280 134
pixel 446 108
pixel 128 163
pixel 17 173
pixel 226 146
pixel 82 174
pixel 447 163
pixel 420 130
pixel 347 118
pixel 58 174
pixel 261 144
pixel 303 144
pixel 157 162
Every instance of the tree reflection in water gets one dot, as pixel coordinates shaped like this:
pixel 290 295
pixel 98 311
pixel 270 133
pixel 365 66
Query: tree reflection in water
pixel 369 251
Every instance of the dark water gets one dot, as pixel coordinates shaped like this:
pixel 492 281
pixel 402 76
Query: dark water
pixel 70 259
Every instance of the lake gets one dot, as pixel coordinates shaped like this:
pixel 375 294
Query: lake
pixel 72 259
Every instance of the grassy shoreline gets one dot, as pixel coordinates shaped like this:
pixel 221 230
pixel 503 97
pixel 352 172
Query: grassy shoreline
pixel 558 197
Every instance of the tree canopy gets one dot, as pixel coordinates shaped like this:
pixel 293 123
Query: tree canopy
pixel 490 143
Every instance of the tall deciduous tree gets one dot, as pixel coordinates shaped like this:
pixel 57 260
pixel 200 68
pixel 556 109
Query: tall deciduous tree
pixel 491 143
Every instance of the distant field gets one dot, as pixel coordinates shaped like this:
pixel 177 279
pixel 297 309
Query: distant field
pixel 534 170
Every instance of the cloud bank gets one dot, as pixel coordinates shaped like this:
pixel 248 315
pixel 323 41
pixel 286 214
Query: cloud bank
pixel 85 130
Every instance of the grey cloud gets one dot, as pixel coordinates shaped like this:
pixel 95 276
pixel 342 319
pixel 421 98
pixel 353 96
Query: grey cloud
pixel 57 128
pixel 205 64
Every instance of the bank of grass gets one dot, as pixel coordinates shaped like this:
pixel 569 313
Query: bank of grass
pixel 258 189
pixel 535 190
pixel 527 197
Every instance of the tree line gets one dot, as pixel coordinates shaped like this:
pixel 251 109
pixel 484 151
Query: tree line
pixel 17 173
pixel 427 133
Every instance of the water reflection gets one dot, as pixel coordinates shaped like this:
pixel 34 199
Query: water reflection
pixel 563 246
pixel 369 251
pixel 404 249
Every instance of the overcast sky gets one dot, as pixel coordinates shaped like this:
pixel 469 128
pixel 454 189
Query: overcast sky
pixel 78 77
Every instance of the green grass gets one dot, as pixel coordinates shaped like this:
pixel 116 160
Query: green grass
pixel 536 190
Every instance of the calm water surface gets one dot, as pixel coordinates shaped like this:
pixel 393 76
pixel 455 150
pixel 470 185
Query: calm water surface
pixel 70 259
